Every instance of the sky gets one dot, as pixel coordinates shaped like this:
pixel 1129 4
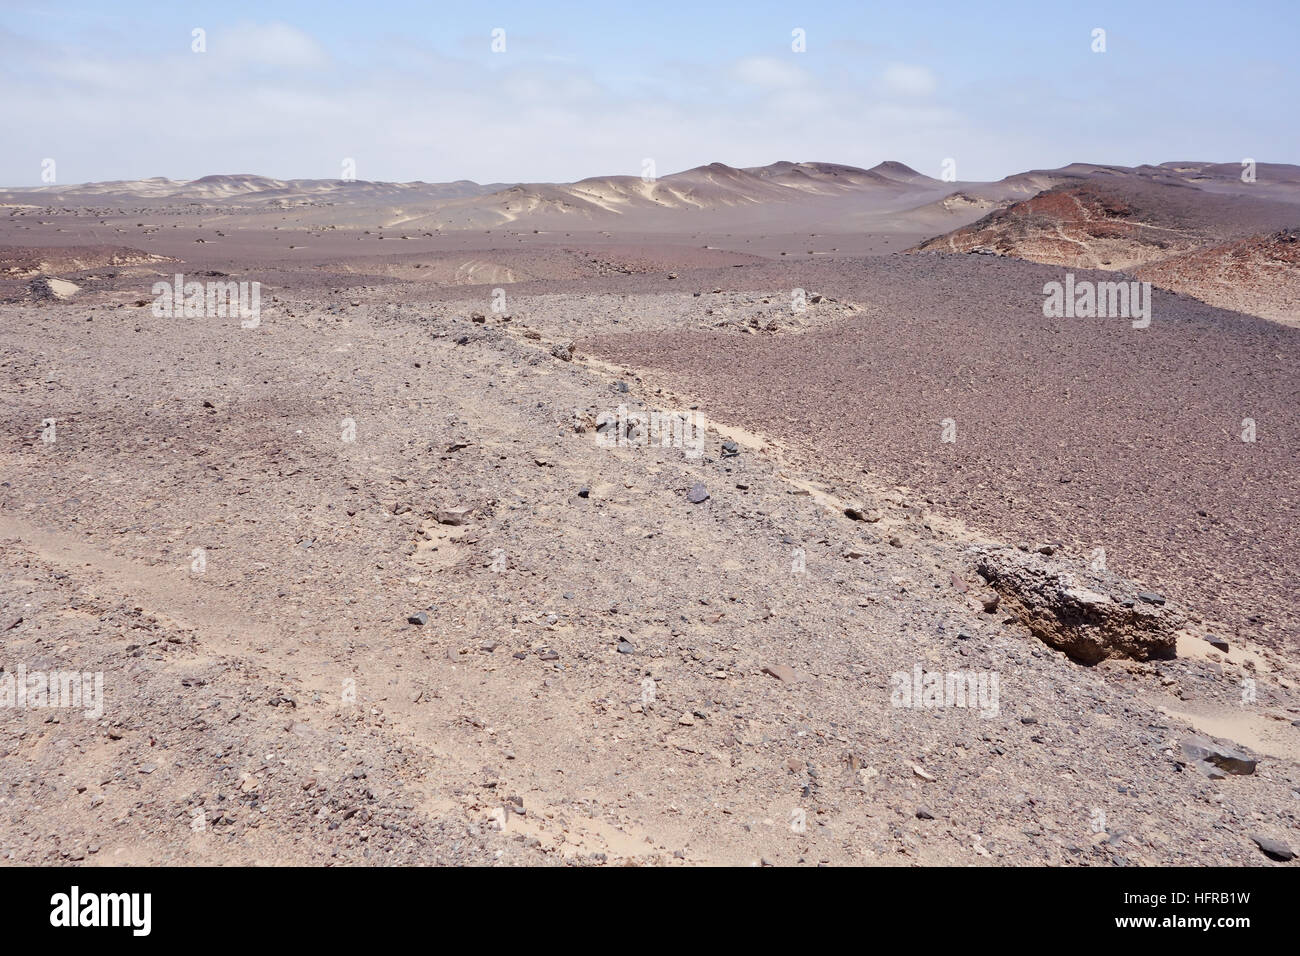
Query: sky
pixel 414 90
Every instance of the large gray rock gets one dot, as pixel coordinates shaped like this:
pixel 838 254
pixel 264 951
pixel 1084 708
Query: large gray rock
pixel 1207 755
pixel 1089 615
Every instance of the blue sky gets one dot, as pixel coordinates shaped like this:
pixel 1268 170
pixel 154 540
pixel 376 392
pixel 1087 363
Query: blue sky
pixel 412 90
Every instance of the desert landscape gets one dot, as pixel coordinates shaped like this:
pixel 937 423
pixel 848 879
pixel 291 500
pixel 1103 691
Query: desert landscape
pixel 594 523
pixel 695 436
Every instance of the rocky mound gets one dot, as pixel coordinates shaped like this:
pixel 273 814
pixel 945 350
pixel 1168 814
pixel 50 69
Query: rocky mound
pixel 50 289
pixel 1112 224
pixel 20 262
pixel 1259 275
pixel 1087 226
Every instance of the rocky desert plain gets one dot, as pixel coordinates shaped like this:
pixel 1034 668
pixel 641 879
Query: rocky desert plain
pixel 739 517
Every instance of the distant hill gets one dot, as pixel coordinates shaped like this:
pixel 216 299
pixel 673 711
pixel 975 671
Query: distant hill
pixel 1032 214
pixel 245 188
pixel 1114 218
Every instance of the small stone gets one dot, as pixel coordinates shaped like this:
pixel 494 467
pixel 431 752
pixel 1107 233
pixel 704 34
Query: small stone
pixel 453 516
pixel 781 672
pixel 584 492
pixel 923 773
pixel 730 449
pixel 924 814
pixel 1273 849
pixel 547 654
pixel 697 494
pixel 1216 642
pixel 686 720
pixel 625 648
pixel 1150 597
pixel 419 619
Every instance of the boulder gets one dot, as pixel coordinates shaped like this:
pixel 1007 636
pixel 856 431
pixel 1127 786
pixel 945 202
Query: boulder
pixel 1089 615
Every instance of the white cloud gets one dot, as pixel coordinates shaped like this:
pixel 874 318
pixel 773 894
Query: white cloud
pixel 769 73
pixel 269 44
pixel 909 80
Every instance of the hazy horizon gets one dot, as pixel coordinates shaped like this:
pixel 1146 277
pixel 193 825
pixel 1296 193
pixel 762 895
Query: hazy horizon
pixel 661 175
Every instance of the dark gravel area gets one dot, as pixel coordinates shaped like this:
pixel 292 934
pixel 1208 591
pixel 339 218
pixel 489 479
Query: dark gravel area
pixel 1085 431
